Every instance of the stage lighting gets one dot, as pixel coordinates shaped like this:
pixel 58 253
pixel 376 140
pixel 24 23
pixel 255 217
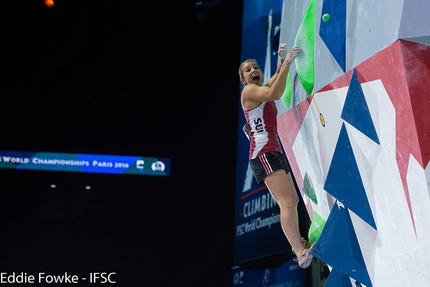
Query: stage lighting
pixel 203 6
pixel 201 10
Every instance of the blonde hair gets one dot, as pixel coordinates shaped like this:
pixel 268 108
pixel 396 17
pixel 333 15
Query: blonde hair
pixel 243 63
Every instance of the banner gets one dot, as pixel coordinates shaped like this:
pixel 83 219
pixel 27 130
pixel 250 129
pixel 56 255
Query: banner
pixel 88 163
pixel 257 229
pixel 287 275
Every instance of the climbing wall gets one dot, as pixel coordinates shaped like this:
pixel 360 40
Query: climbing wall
pixel 354 121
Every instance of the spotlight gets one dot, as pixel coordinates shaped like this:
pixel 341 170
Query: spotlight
pixel 201 10
pixel 203 6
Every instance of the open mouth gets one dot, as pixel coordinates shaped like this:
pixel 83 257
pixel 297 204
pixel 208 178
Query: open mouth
pixel 256 78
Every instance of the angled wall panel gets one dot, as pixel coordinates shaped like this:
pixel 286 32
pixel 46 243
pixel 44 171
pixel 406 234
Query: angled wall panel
pixel 380 104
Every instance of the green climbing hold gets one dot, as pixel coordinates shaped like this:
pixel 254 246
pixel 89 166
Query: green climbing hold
pixel 309 189
pixel 305 40
pixel 316 227
pixel 326 17
pixel 287 96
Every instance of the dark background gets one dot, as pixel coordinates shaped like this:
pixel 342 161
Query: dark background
pixel 121 78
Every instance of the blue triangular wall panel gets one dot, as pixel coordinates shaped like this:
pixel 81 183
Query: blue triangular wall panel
pixel 356 111
pixel 338 279
pixel 338 246
pixel 333 29
pixel 344 180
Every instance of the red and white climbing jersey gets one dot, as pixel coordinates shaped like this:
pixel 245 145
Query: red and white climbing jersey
pixel 263 129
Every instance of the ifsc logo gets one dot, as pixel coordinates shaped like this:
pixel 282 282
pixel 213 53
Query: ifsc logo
pixel 158 166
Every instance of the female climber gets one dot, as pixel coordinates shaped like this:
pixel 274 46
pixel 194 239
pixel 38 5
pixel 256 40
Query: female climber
pixel 267 161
